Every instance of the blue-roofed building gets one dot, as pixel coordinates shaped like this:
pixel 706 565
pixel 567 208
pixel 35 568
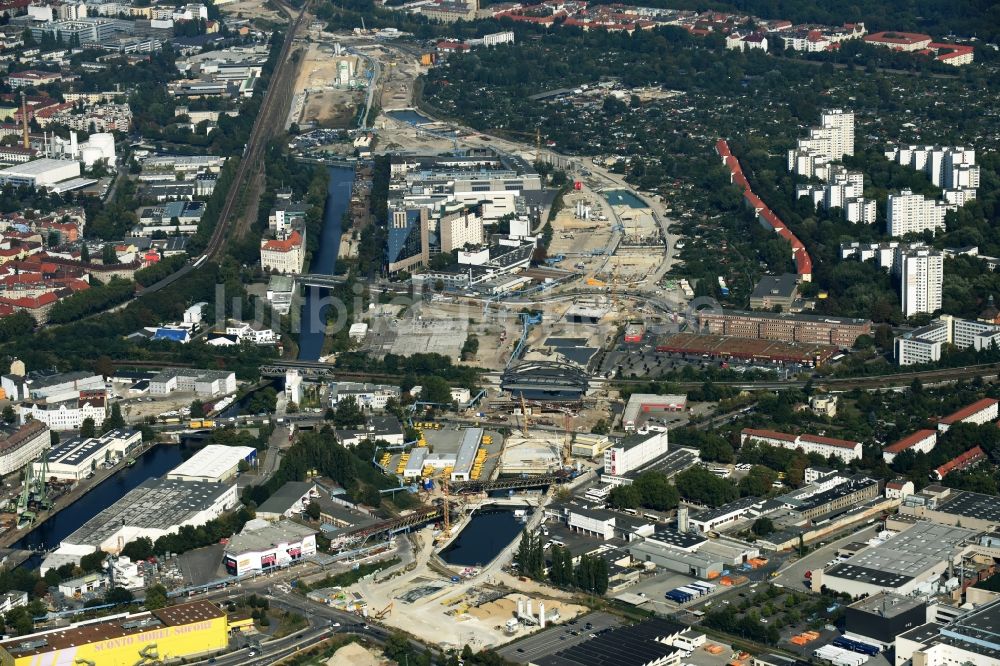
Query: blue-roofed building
pixel 181 335
pixel 408 244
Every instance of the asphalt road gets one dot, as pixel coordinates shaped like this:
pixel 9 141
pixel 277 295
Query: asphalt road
pixel 793 575
pixel 558 637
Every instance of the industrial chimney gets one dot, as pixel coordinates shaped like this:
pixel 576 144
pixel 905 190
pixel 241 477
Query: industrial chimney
pixel 24 120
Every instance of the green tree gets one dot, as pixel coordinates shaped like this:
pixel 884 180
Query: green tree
pixel 436 390
pixel 114 419
pixel 197 409
pixel 762 526
pixel 119 595
pixel 140 549
pixel 19 620
pixel 656 491
pixel 104 366
pixel 313 510
pixel 625 497
pixel 8 415
pixel 108 255
pixel 87 428
pixel 348 414
pixel 758 481
pixel 156 597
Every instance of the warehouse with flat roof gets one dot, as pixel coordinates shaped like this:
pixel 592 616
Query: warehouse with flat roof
pixel 949 506
pixel 215 462
pixel 152 509
pixel 641 404
pixel 904 563
pixel 466 454
pixel 77 457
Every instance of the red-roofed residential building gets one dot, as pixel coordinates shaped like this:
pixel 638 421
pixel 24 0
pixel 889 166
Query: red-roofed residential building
pixel 283 255
pixel 37 306
pixel 953 54
pixel 30 78
pixel 899 41
pixel 979 412
pixel 919 441
pixel 970 458
pixel 452 46
pixel 898 488
pixel 803 262
pixel 825 446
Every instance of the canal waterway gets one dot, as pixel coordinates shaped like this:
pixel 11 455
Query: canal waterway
pixel 488 532
pixel 155 462
pixel 338 196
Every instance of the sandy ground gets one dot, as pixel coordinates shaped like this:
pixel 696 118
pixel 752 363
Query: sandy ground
pixel 455 614
pixel 137 412
pixel 354 654
pixel 318 97
pixel 253 9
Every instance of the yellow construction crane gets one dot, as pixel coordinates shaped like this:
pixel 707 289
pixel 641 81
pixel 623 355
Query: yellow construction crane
pixel 384 612
pixel 445 512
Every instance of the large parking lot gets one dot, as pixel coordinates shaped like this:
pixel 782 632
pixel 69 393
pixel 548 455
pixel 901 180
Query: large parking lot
pixel 558 637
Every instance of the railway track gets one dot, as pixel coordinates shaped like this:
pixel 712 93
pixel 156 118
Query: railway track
pixel 249 173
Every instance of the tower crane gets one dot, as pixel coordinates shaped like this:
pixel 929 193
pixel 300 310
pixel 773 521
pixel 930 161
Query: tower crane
pixel 445 510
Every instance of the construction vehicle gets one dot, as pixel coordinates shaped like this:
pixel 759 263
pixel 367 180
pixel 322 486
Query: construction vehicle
pixel 383 613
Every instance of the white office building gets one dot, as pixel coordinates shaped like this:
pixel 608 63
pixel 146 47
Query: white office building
pixel 924 344
pixel 921 280
pixel 833 139
pixel 66 414
pixel 633 452
pixel 946 166
pixel 844 189
pixel 19 446
pixel 370 396
pixel 913 213
pixel 204 383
